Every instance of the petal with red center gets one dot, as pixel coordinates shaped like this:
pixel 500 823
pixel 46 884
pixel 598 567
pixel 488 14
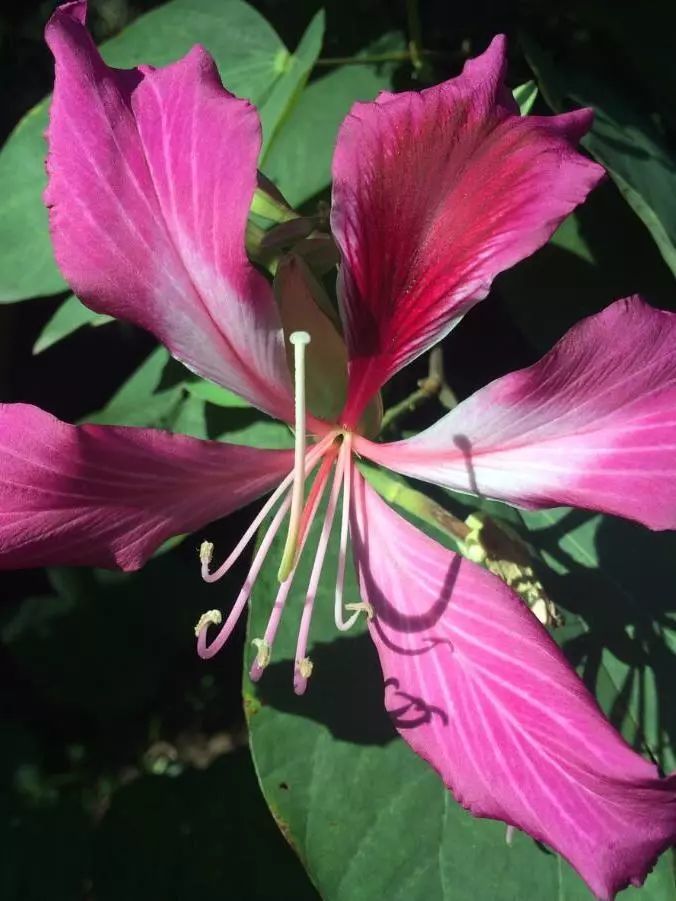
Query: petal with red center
pixel 592 424
pixel 151 175
pixel 477 688
pixel 109 496
pixel 434 194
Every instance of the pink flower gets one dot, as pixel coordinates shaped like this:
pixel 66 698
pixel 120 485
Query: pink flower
pixel 152 173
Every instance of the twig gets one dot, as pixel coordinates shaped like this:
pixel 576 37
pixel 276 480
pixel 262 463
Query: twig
pixel 427 388
pixel 395 56
pixel 434 385
pixel 415 34
pixel 446 393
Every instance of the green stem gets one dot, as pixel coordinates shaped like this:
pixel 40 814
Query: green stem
pixel 436 370
pixel 415 34
pixel 427 388
pixel 413 501
pixel 396 56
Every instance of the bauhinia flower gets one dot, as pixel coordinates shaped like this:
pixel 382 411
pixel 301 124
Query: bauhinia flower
pixel 151 178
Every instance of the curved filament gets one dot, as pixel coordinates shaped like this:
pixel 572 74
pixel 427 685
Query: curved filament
pixel 312 457
pixel 342 624
pixel 208 650
pixel 313 502
pixel 303 666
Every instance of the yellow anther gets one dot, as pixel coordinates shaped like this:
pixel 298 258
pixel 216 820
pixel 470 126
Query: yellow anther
pixel 361 607
pixel 263 651
pixel 211 617
pixel 305 667
pixel 206 552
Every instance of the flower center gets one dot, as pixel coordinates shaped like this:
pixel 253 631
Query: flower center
pixel 332 452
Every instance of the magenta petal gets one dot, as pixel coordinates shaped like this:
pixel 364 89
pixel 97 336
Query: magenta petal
pixel 477 688
pixel 592 424
pixel 109 496
pixel 151 175
pixel 434 194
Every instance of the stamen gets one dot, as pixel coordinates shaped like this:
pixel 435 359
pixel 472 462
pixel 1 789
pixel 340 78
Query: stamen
pixel 341 624
pixel 206 549
pixel 214 617
pixel 206 552
pixel 263 651
pixel 203 649
pixel 361 607
pixel 301 671
pixel 299 340
pixel 316 492
pixel 305 667
pixel 314 500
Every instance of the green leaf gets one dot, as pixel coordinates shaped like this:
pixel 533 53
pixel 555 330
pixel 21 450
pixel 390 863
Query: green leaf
pixel 367 817
pixel 255 429
pixel 235 425
pixel 624 140
pixel 296 71
pixel 299 158
pixel 246 48
pixel 69 317
pixel 608 576
pixel 163 394
pixel 525 96
pixel 27 267
pixel 214 394
pixel 611 577
pixel 253 63
pixel 141 401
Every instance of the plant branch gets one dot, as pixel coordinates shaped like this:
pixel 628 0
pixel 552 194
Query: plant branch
pixel 434 385
pixel 415 34
pixel 394 56
pixel 427 388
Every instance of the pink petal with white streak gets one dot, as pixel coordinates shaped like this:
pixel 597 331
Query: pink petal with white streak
pixel 477 688
pixel 592 424
pixel 151 175
pixel 434 194
pixel 109 496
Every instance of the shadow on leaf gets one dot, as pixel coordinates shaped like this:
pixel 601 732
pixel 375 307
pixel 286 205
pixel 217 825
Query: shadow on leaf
pixel 345 692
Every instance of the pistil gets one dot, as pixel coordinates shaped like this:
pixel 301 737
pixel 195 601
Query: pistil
pixel 300 340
